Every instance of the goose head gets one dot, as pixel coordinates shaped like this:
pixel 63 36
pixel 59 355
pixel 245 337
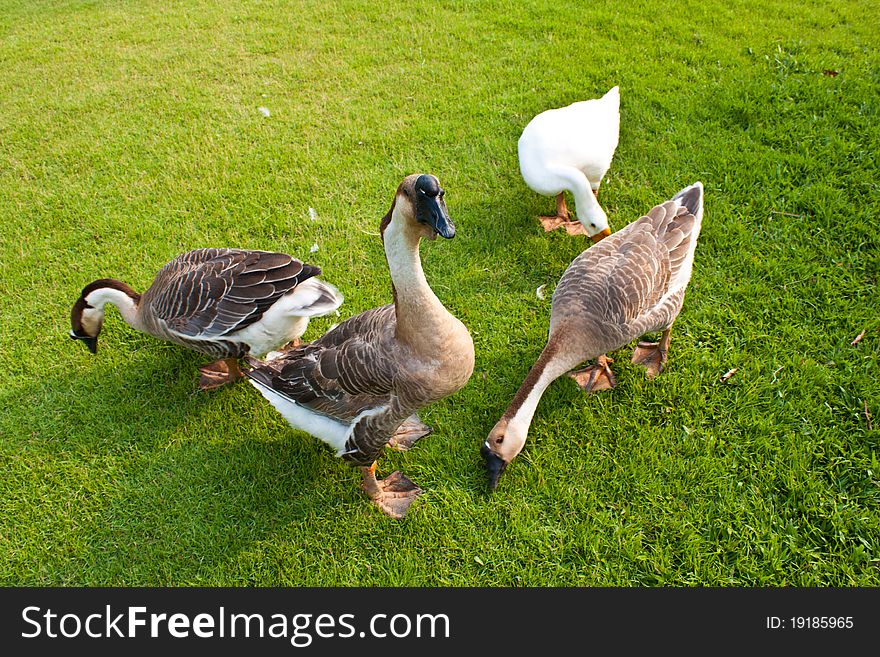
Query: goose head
pixel 504 443
pixel 86 321
pixel 87 315
pixel 420 209
pixel 596 224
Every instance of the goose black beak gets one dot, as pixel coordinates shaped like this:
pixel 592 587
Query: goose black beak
pixel 495 465
pixel 91 343
pixel 441 223
pixel 431 208
pixel 432 211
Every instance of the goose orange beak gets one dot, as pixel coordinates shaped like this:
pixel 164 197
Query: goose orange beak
pixel 601 235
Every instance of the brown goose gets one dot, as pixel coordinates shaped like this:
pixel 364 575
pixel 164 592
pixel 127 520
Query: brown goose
pixel 358 386
pixel 222 302
pixel 627 285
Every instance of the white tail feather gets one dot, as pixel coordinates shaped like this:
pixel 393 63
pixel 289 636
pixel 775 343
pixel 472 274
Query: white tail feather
pixel 332 432
pixel 311 298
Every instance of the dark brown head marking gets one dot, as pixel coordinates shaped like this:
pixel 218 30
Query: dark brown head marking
pixel 81 304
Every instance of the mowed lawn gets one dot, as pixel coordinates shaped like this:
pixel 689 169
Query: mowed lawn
pixel 131 131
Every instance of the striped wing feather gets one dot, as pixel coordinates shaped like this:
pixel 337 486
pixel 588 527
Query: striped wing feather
pixel 626 275
pixel 341 374
pixel 210 293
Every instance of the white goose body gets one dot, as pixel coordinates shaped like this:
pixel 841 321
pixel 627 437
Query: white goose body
pixel 627 285
pixel 570 149
pixel 358 387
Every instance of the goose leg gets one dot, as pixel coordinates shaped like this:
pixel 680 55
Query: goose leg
pixel 219 373
pixel 597 376
pixel 409 432
pixel 394 494
pixel 653 354
pixel 562 218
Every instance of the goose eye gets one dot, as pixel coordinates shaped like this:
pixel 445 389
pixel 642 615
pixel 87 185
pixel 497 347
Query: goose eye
pixel 592 225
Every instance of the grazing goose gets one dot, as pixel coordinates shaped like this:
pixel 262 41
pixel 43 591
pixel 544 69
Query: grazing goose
pixel 358 387
pixel 222 302
pixel 627 285
pixel 570 148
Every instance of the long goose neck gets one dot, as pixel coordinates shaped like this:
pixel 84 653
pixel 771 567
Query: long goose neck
pixel 120 295
pixel 545 371
pixel 416 306
pixel 588 208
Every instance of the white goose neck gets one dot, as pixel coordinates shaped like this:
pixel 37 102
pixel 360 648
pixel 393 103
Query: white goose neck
pixel 588 209
pixel 521 418
pixel 547 368
pixel 126 305
pixel 418 311
pixel 402 253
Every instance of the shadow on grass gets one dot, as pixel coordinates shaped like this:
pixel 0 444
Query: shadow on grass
pixel 131 476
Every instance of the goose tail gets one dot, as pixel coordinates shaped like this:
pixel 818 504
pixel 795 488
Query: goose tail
pixel 682 233
pixel 691 197
pixel 314 297
pixel 613 96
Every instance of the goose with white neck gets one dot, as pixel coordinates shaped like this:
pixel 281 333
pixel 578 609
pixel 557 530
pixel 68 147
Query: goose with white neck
pixel 570 149
pixel 225 303
pixel 358 387
pixel 627 285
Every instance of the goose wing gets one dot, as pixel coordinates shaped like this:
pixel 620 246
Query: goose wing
pixel 210 293
pixel 352 375
pixel 635 273
pixel 344 373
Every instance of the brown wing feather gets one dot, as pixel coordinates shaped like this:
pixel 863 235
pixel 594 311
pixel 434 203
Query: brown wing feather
pixel 617 279
pixel 343 373
pixel 624 276
pixel 210 293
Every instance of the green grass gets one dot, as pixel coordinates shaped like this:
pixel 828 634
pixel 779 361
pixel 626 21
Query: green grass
pixel 129 132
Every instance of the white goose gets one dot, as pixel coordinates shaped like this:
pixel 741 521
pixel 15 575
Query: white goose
pixel 629 284
pixel 570 149
pixel 222 302
pixel 358 387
